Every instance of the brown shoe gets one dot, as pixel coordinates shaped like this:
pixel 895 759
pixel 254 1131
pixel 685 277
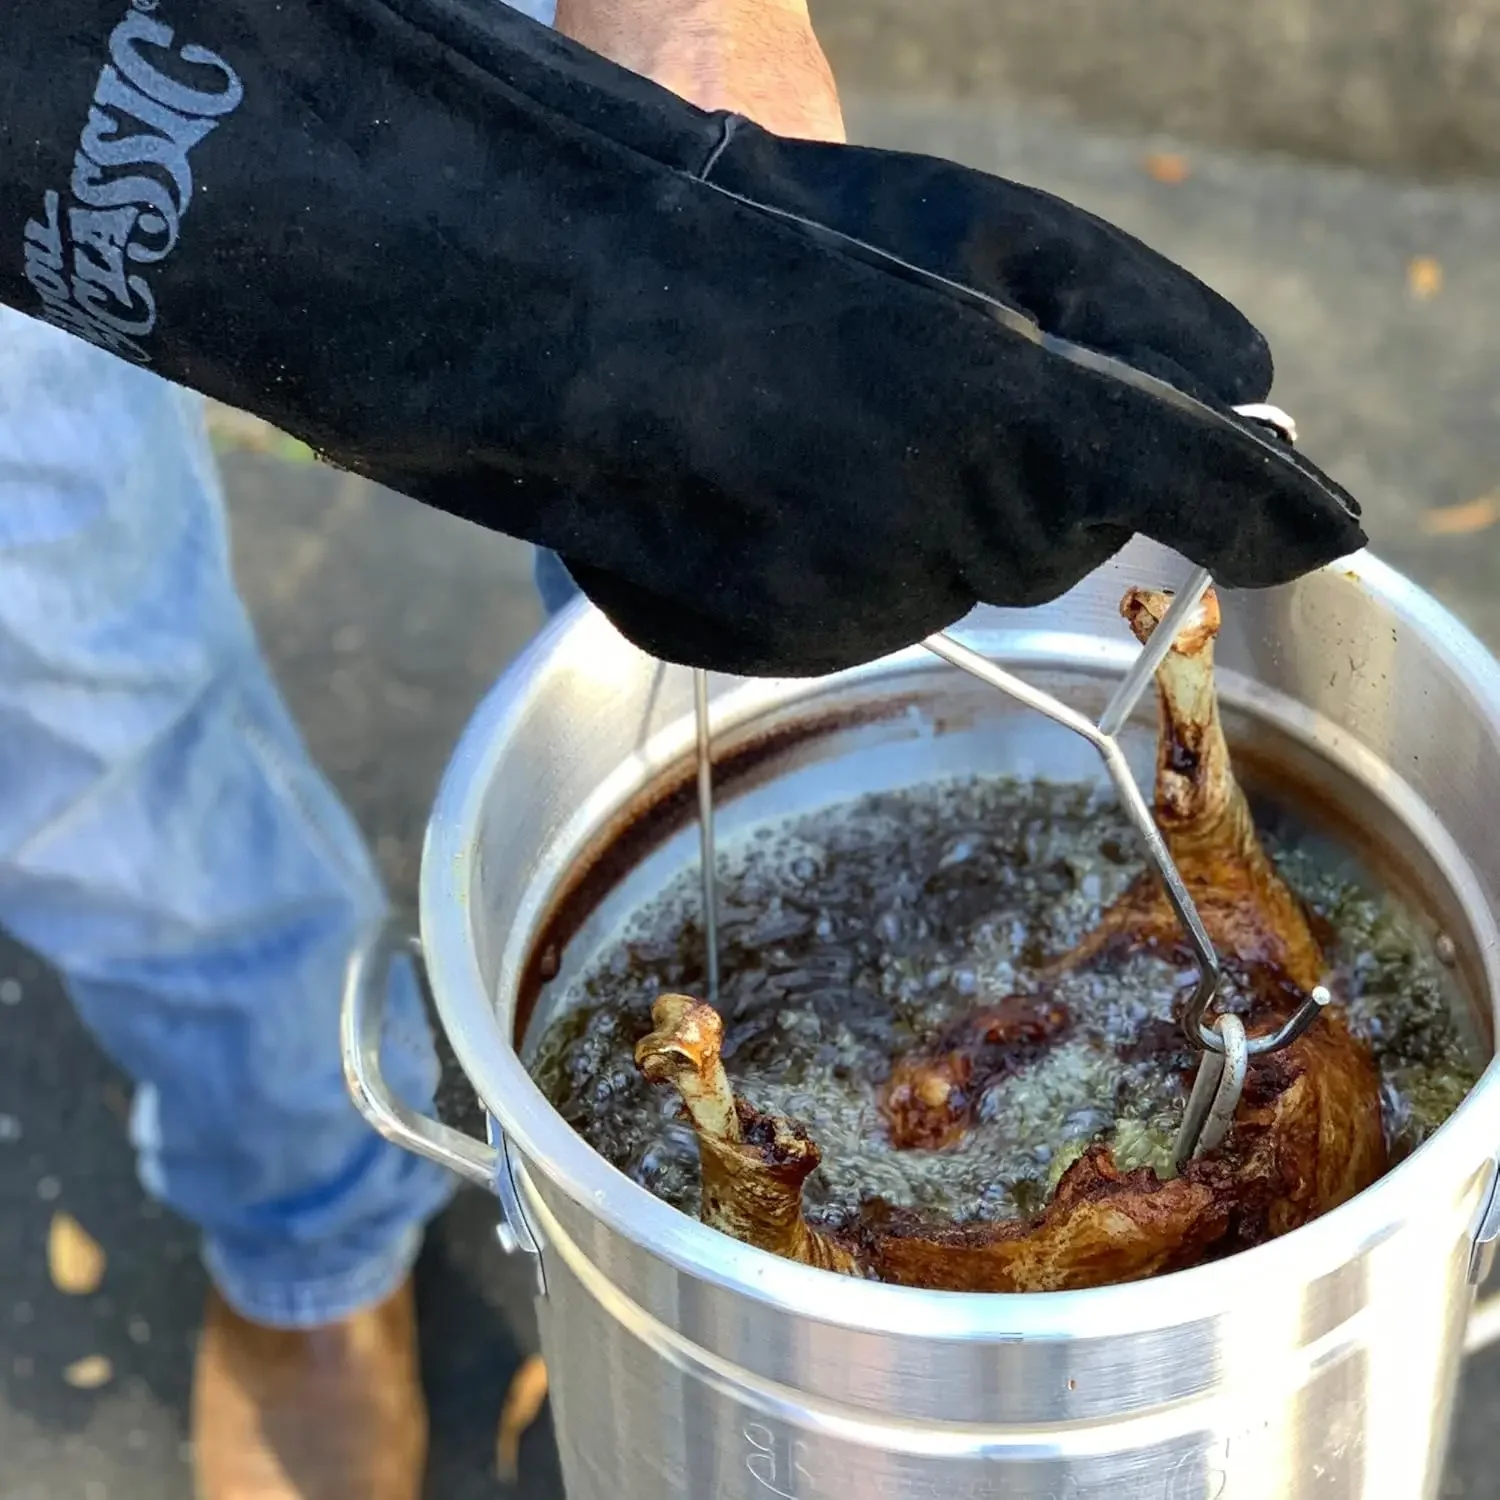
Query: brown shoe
pixel 332 1413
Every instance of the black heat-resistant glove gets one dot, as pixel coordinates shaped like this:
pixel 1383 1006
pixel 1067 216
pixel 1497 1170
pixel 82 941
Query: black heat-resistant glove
pixel 780 406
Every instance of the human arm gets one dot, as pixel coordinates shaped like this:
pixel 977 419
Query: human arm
pixel 757 58
pixel 782 406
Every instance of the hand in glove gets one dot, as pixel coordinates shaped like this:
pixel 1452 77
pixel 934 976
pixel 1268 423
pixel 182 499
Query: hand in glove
pixel 781 406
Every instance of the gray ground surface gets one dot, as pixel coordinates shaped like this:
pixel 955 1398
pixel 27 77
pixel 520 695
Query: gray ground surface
pixel 386 623
pixel 1398 85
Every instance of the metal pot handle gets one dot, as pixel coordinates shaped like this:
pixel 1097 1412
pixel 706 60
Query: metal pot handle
pixel 361 1027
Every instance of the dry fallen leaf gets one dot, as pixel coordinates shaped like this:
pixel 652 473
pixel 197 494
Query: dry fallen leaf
pixel 1168 167
pixel 89 1373
pixel 1465 519
pixel 74 1258
pixel 1424 277
pixel 523 1402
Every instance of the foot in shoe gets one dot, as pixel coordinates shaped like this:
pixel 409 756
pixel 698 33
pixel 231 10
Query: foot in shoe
pixel 330 1413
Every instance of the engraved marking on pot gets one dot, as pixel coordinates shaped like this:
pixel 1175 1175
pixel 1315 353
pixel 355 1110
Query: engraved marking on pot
pixel 776 1462
pixel 131 185
pixel 1204 1475
pixel 1187 1479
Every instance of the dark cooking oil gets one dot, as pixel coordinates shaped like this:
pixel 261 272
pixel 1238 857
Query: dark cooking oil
pixel 850 936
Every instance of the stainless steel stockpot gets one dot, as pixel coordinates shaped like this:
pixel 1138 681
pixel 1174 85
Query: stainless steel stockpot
pixel 685 1366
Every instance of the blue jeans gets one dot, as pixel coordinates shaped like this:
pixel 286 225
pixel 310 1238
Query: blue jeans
pixel 553 582
pixel 167 844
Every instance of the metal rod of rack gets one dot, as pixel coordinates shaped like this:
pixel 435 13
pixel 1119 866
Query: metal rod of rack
pixel 707 855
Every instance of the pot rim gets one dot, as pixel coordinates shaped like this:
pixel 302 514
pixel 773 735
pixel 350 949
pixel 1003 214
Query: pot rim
pixel 1466 1145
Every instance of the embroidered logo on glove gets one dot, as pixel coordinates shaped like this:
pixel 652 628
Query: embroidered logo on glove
pixel 131 184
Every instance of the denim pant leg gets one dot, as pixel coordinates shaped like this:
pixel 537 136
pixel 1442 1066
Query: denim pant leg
pixel 166 842
pixel 553 581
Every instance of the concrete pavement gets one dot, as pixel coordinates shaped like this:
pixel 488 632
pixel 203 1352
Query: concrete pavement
pixel 1406 86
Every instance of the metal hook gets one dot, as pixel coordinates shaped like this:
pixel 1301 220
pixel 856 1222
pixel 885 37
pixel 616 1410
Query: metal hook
pixel 1216 1093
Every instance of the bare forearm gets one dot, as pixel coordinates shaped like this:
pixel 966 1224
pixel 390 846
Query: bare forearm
pixel 758 58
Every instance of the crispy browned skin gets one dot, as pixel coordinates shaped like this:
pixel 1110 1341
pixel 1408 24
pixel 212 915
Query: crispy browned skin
pixel 1307 1135
pixel 1102 1227
pixel 928 1101
pixel 754 1165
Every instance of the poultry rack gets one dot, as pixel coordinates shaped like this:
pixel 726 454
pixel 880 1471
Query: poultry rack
pixel 1221 1040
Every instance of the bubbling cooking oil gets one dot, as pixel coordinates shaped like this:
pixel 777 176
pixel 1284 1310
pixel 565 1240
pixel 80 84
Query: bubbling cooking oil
pixel 851 936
